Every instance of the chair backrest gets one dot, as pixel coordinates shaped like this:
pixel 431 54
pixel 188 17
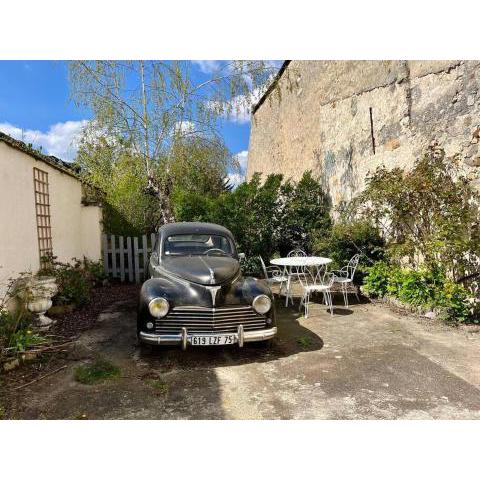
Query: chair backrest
pixel 352 265
pixel 321 277
pixel 264 268
pixel 296 253
pixel 328 278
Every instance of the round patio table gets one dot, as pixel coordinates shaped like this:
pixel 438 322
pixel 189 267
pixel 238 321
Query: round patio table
pixel 298 262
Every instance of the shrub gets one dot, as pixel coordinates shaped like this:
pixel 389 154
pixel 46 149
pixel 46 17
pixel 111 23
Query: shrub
pixel 250 212
pixel 378 278
pixel 16 335
pixel 264 217
pixel 73 280
pixel 417 288
pixel 251 266
pixel 95 272
pixel 305 209
pixel 429 213
pixel 422 288
pixel 347 238
pixel 453 300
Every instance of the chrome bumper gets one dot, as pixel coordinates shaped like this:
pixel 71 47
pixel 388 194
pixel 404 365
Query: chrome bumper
pixel 184 338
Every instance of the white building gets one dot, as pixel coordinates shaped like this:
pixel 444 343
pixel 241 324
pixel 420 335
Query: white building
pixel 42 210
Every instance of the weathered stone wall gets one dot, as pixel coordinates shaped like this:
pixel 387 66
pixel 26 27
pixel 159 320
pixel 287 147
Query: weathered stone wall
pixel 321 119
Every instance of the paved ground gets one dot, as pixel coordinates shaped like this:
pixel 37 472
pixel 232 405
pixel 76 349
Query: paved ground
pixel 363 363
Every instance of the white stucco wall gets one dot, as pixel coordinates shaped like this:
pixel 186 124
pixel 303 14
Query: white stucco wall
pixel 76 229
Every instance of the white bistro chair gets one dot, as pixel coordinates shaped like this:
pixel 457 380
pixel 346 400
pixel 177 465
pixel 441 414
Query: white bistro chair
pixel 321 282
pixel 293 272
pixel 274 275
pixel 344 276
pixel 296 253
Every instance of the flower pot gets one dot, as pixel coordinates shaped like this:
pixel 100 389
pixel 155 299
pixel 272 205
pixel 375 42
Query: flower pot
pixel 37 294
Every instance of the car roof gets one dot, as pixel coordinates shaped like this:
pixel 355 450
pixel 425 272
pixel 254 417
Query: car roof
pixel 193 227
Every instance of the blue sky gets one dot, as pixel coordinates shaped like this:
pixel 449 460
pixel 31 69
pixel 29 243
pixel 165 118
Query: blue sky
pixel 35 106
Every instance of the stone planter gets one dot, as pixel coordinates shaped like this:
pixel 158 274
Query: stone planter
pixel 37 294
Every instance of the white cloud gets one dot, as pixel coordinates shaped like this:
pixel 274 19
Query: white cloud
pixel 242 158
pixel 238 109
pixel 184 127
pixel 236 178
pixel 60 140
pixel 208 66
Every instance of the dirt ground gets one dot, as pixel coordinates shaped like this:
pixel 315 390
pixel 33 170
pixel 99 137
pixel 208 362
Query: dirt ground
pixel 365 362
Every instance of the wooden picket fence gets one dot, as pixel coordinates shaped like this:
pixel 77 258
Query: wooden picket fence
pixel 126 258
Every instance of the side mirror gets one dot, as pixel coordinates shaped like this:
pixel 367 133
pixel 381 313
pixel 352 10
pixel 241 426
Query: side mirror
pixel 154 258
pixel 241 256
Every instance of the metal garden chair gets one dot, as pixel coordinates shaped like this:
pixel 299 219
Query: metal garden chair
pixel 293 272
pixel 273 275
pixel 344 276
pixel 297 252
pixel 318 283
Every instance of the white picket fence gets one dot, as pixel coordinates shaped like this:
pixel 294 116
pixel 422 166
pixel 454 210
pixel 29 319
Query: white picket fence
pixel 126 258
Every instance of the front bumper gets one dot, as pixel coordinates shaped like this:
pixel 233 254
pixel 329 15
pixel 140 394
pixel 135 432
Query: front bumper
pixel 184 338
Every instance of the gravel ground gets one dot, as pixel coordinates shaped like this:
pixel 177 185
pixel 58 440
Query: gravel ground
pixel 70 326
pixel 365 362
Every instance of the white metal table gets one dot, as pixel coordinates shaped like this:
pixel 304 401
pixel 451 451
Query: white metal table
pixel 288 263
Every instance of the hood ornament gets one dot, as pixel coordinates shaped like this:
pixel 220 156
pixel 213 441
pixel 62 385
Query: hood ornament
pixel 213 292
pixel 212 275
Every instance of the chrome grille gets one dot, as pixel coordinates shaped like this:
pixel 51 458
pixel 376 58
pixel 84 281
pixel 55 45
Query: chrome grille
pixel 208 320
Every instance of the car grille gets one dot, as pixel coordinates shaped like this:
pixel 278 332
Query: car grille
pixel 209 320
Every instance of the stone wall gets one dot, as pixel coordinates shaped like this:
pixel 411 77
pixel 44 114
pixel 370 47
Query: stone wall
pixel 319 119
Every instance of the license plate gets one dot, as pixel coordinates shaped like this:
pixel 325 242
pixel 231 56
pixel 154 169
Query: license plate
pixel 205 340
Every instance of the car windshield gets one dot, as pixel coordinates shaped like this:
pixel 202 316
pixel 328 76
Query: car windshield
pixel 197 244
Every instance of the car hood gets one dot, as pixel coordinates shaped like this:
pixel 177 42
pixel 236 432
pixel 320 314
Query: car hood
pixel 205 270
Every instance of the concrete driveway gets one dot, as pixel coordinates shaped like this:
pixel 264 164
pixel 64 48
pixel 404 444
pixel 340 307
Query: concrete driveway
pixel 365 362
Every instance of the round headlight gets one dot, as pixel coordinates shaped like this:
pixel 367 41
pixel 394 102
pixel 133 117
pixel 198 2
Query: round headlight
pixel 262 304
pixel 158 307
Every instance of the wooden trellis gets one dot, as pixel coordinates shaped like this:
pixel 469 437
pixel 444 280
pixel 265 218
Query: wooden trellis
pixel 42 211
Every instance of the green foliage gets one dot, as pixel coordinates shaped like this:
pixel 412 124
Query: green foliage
pixel 251 266
pixel 194 168
pixel 305 342
pixel 94 272
pixel 347 238
pixel 16 335
pixel 250 212
pixel 193 207
pixel 74 280
pixel 264 217
pixel 22 339
pixel 306 208
pixel 120 184
pixel 418 288
pixel 96 372
pixel 378 278
pixel 155 129
pixel 429 214
pixel 422 288
pixel 453 298
pixel 160 386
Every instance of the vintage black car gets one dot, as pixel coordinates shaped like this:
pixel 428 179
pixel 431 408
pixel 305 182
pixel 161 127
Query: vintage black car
pixel 197 295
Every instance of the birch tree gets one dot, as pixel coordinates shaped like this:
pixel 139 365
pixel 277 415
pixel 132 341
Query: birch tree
pixel 153 109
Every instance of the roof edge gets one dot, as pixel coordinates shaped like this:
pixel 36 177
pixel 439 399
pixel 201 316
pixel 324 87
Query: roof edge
pixel 271 87
pixel 49 160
